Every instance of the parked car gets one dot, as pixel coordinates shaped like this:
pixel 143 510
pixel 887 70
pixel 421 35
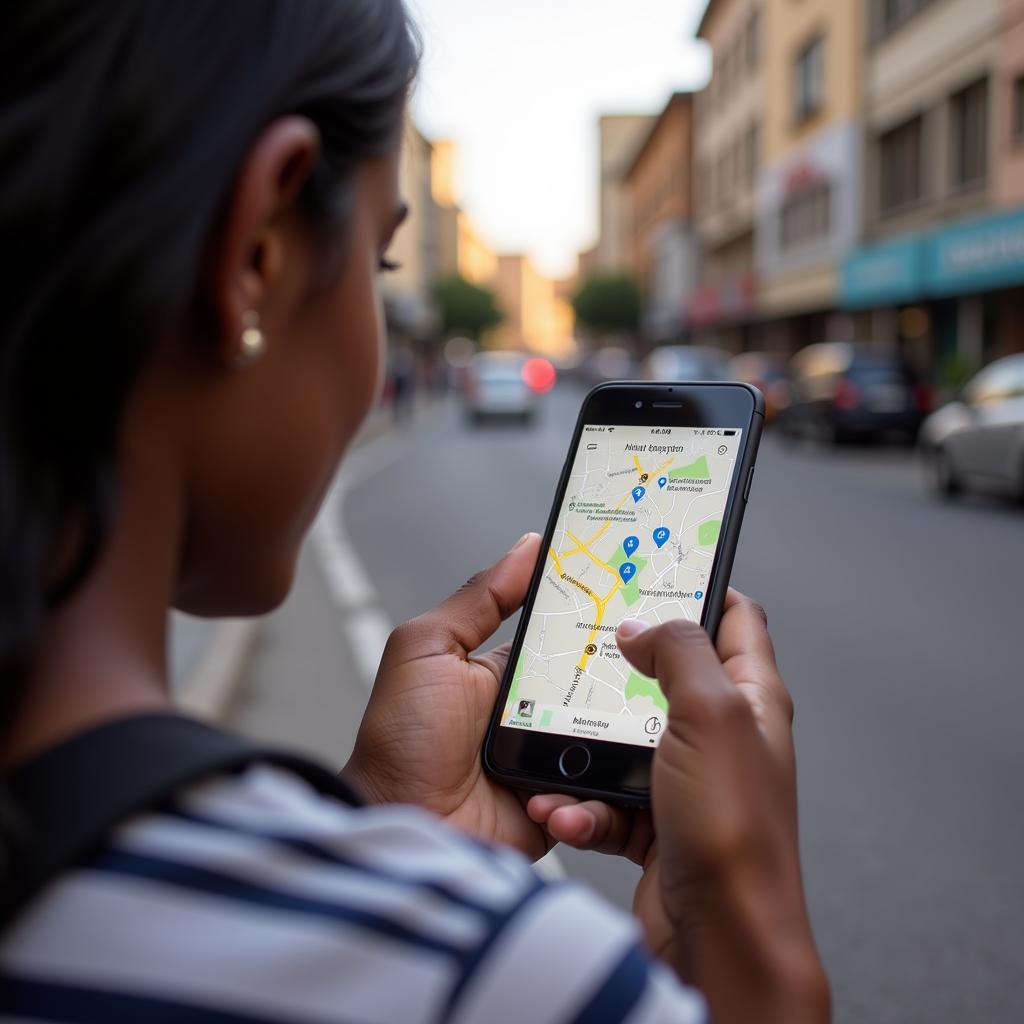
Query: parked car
pixel 608 363
pixel 766 371
pixel 686 362
pixel 977 441
pixel 844 391
pixel 506 385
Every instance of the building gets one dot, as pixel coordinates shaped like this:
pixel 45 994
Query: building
pixel 943 264
pixel 462 249
pixel 658 194
pixel 809 190
pixel 416 248
pixel 538 316
pixel 1009 98
pixel 727 156
pixel 620 136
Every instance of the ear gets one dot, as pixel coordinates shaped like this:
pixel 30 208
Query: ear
pixel 249 255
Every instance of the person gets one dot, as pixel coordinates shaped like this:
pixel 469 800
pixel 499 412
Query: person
pixel 196 201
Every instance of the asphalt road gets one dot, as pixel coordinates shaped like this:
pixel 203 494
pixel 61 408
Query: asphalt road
pixel 899 624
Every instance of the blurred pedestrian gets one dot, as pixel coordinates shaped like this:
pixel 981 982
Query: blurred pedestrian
pixel 195 203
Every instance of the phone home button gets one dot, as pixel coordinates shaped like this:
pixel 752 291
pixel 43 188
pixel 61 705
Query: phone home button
pixel 574 761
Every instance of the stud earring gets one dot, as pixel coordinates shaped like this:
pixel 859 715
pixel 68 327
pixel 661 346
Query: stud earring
pixel 254 341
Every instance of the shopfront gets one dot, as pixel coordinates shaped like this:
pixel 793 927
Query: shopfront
pixel 953 297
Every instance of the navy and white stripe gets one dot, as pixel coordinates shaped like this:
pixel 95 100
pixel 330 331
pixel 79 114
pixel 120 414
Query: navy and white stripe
pixel 253 899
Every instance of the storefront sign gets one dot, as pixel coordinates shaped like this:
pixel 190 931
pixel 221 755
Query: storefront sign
pixel 883 275
pixel 979 255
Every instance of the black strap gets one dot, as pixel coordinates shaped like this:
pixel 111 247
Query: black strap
pixel 68 798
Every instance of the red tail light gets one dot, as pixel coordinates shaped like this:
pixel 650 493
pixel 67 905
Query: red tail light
pixel 847 395
pixel 924 398
pixel 539 375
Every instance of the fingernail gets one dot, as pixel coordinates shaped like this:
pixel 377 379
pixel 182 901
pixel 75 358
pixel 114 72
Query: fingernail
pixel 519 543
pixel 631 627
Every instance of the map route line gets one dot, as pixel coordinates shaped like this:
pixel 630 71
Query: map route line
pixel 584 550
pixel 601 604
pixel 554 558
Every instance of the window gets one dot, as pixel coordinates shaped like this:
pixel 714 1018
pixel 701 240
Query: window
pixel 809 80
pixel 752 161
pixel 1017 112
pixel 753 47
pixel 806 216
pixel 900 167
pixel 889 15
pixel 968 135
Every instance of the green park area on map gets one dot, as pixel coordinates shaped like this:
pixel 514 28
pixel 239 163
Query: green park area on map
pixel 694 471
pixel 707 533
pixel 641 686
pixel 630 591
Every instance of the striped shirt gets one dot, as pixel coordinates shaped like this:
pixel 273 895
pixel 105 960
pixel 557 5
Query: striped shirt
pixel 251 898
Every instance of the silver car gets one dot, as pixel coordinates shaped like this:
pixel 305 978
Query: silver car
pixel 497 387
pixel 977 442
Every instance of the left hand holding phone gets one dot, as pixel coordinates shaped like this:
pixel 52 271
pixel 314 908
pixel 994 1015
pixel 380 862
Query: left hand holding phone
pixel 420 739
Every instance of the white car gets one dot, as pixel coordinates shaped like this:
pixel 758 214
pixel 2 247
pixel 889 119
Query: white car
pixel 977 442
pixel 505 384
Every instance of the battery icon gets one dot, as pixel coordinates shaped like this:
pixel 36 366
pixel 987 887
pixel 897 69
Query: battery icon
pixel 729 433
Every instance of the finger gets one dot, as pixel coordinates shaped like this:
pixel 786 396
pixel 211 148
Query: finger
pixel 744 630
pixel 478 607
pixel 680 656
pixel 593 825
pixel 748 655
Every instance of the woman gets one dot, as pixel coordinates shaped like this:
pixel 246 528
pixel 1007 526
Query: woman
pixel 196 201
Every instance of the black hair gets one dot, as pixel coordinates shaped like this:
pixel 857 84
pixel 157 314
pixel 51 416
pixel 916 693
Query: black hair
pixel 123 124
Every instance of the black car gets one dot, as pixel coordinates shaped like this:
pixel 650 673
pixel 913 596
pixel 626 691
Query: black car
pixel 845 391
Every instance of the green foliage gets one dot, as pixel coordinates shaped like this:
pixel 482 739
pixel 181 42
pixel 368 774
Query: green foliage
pixel 466 308
pixel 608 302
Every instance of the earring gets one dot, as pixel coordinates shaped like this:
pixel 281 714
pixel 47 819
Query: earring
pixel 254 341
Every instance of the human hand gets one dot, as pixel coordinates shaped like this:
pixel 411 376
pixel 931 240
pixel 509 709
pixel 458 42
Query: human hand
pixel 721 897
pixel 420 739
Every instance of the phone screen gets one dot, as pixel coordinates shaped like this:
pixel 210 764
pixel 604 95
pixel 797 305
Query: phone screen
pixel 635 538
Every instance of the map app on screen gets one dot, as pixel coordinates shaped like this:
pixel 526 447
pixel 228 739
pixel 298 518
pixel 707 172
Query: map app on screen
pixel 635 538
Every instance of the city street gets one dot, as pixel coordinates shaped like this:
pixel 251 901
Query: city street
pixel 898 624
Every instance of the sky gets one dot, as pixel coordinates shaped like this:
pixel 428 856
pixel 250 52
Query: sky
pixel 519 85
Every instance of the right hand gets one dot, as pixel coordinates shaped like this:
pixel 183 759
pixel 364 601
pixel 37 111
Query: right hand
pixel 721 897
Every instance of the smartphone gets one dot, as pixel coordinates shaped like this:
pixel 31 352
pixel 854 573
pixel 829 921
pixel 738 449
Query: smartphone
pixel 644 525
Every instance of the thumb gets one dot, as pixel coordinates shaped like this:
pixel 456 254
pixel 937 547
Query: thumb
pixel 475 611
pixel 679 654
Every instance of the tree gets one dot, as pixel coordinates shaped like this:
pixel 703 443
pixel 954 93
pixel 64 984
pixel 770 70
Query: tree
pixel 607 303
pixel 466 308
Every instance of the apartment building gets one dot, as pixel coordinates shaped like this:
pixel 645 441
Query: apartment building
pixel 416 247
pixel 727 152
pixel 943 264
pixel 658 191
pixel 620 135
pixel 809 190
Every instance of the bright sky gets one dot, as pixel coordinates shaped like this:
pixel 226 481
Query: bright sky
pixel 519 84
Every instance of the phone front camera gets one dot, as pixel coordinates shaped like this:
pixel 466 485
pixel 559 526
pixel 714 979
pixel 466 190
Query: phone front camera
pixel 639 405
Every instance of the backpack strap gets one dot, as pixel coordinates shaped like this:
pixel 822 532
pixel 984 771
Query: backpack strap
pixel 67 799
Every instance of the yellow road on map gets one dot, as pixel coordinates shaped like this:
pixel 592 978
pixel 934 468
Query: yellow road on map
pixel 583 548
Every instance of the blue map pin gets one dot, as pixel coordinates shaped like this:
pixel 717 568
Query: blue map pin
pixel 698 594
pixel 627 571
pixel 638 493
pixel 662 480
pixel 660 536
pixel 630 544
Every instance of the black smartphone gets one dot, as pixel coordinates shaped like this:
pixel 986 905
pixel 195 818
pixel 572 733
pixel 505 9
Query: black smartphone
pixel 644 525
